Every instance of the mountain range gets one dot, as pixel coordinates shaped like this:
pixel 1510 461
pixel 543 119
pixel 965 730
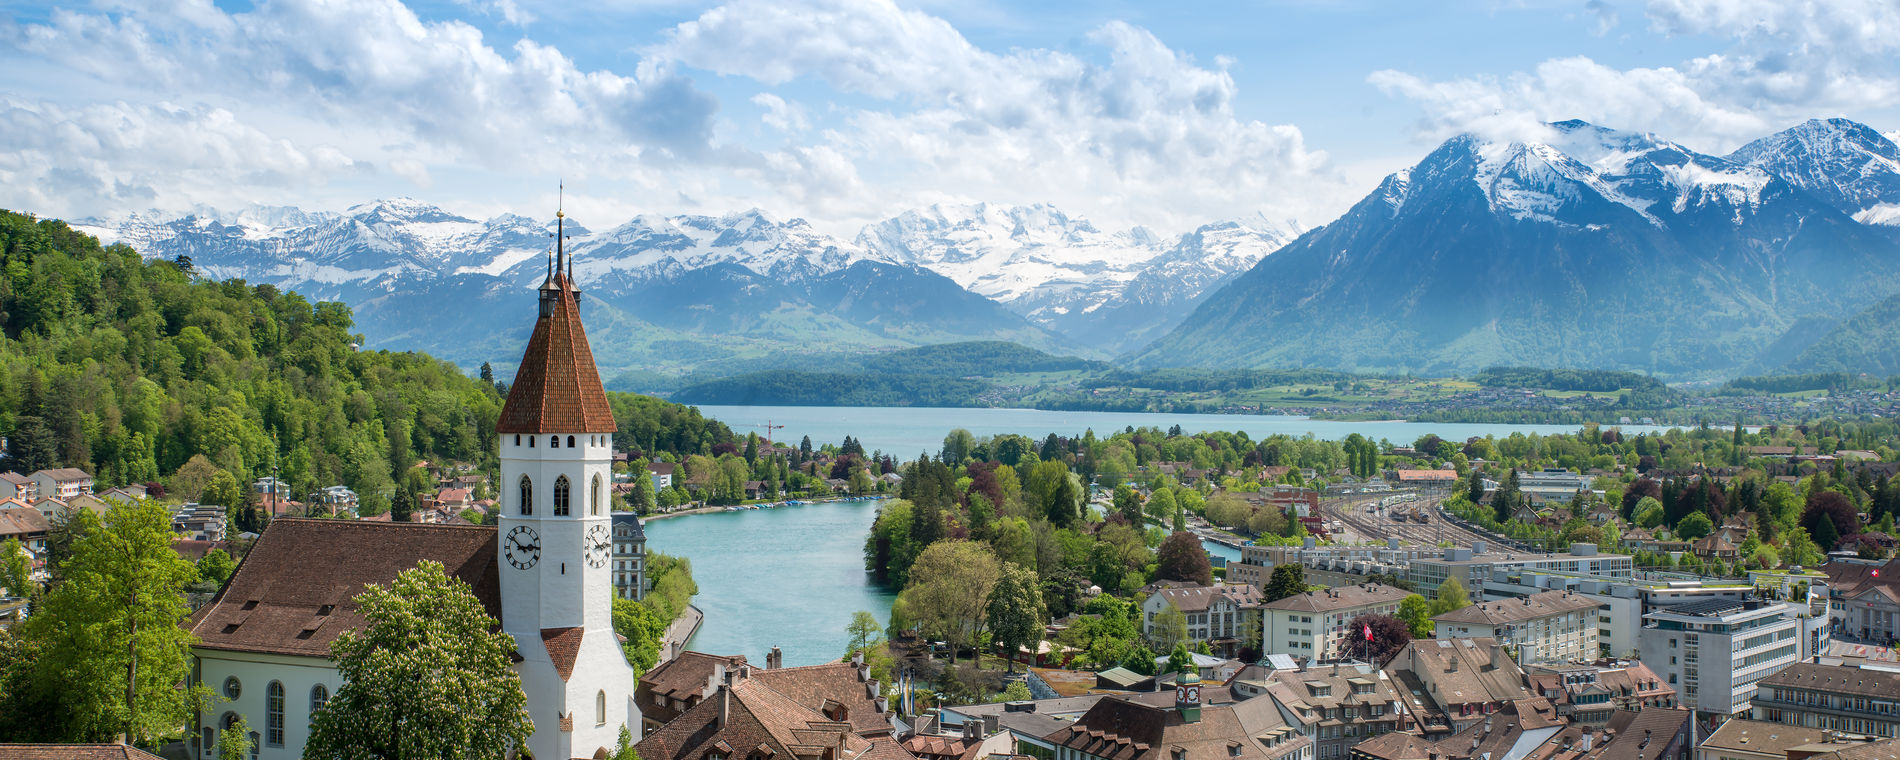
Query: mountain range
pixel 1589 247
pixel 1582 246
pixel 669 295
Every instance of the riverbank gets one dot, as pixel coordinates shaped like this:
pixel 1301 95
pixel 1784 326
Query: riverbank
pixel 760 504
pixel 679 632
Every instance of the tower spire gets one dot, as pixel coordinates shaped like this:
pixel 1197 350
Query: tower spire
pixel 560 222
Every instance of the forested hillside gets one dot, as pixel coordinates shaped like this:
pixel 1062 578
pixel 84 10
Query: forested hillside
pixel 127 368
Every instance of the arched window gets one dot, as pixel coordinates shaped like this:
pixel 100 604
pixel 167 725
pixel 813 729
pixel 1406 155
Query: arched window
pixel 255 745
pixel 517 439
pixel 319 696
pixel 274 714
pixel 560 496
pixel 570 441
pixel 593 498
pixel 527 496
pixel 600 708
pixel 554 441
pixel 531 442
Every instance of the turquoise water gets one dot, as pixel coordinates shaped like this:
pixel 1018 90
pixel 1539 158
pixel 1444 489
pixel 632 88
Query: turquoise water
pixel 787 577
pixel 908 431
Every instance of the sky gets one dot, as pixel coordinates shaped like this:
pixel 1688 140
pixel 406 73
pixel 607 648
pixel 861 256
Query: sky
pixel 844 112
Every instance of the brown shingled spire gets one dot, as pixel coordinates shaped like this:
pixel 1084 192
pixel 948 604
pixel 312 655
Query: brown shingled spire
pixel 557 388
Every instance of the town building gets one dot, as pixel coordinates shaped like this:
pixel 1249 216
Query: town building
pixel 1028 722
pixel 198 522
pixel 1846 698
pixel 25 525
pixel 1865 599
pixel 1446 686
pixel 1324 565
pixel 1553 626
pixel 1742 739
pixel 1714 652
pixel 801 714
pixel 1426 480
pixel 1551 486
pixel 1335 706
pixel 73 752
pixel 1511 732
pixel 334 500
pixel 1589 693
pixel 661 474
pixel 676 685
pixel 263 641
pixel 1205 723
pixel 13 485
pixel 1621 601
pixel 1218 615
pixel 1524 730
pixel 1312 625
pixel 630 557
pixel 1471 566
pixel 62 482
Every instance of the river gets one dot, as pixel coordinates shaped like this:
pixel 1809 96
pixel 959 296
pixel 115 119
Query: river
pixel 787 577
pixel 907 431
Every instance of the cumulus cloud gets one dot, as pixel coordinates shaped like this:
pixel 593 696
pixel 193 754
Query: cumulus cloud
pixel 1603 16
pixel 779 114
pixel 1149 136
pixel 1784 62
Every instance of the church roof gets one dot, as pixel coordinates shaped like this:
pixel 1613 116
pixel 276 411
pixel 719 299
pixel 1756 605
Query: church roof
pixel 72 752
pixel 295 592
pixel 557 388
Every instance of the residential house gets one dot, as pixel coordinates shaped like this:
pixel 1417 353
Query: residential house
pixel 1312 625
pixel 630 557
pixel 198 522
pixel 1336 706
pixel 334 499
pixel 1027 722
pixel 1205 723
pixel 27 526
pixel 1448 685
pixel 1741 739
pixel 1512 732
pixel 452 498
pixel 818 712
pixel 661 473
pixel 1553 626
pixel 1714 547
pixel 13 485
pixel 1220 615
pixel 63 482
pixel 1551 486
pixel 1590 693
pixel 91 503
pixel 678 684
pixel 1845 698
pixel 131 494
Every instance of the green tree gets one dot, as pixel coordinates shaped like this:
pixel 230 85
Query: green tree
pixel 14 573
pixel 623 747
pixel 863 630
pixel 1451 596
pixel 642 629
pixel 1695 526
pixel 949 591
pixel 1162 507
pixel 1648 512
pixel 1015 610
pixel 216 566
pixel 1128 504
pixel 234 742
pixel 1169 627
pixel 1287 580
pixel 1180 660
pixel 110 634
pixel 428 677
pixel 402 506
pixel 1416 612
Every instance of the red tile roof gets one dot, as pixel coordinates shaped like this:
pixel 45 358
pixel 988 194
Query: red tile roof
pixel 295 592
pixel 22 521
pixel 72 752
pixel 813 685
pixel 564 646
pixel 557 388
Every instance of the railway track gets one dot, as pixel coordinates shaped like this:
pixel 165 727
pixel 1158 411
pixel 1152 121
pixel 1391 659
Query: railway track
pixel 1388 524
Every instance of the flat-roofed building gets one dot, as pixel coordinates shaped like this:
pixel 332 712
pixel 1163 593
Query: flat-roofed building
pixel 1313 625
pixel 1714 652
pixel 1553 626
pixel 1472 566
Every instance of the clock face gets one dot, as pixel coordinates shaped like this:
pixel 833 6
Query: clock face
pixel 522 547
pixel 598 546
pixel 1190 693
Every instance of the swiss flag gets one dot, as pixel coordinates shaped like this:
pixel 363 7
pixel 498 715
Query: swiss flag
pixel 1368 631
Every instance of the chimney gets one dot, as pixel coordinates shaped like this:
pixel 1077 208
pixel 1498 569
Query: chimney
pixel 1587 736
pixel 725 701
pixel 774 659
pixel 992 723
pixel 883 705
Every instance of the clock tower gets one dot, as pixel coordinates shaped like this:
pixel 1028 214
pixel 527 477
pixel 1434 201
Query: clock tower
pixel 555 544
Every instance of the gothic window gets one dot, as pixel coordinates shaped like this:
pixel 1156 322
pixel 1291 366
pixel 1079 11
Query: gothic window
pixel 570 441
pixel 527 496
pixel 560 496
pixel 600 708
pixel 593 498
pixel 274 713
pixel 319 696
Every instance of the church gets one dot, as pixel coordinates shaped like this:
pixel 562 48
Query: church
pixel 545 572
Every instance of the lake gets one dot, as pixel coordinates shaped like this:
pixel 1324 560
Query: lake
pixel 787 577
pixel 907 431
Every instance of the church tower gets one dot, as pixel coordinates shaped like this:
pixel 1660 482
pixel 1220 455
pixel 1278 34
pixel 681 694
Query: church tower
pixel 555 544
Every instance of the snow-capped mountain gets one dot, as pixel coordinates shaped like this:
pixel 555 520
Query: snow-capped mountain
pixel 1587 247
pixel 1069 275
pixel 1846 164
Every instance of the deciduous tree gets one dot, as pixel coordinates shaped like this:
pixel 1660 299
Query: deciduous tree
pixel 1416 613
pixel 949 591
pixel 1015 610
pixel 1451 595
pixel 1388 635
pixel 1182 558
pixel 427 677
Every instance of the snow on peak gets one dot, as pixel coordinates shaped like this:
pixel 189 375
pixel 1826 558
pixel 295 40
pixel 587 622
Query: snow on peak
pixel 1844 163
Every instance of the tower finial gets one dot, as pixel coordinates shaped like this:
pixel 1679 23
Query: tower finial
pixel 560 229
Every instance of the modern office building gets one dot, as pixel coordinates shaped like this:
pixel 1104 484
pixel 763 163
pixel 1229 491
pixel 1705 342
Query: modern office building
pixel 1714 652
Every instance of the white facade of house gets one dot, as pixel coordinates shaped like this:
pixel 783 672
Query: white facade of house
pixel 279 735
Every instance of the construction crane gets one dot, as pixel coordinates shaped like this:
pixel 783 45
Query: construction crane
pixel 769 427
